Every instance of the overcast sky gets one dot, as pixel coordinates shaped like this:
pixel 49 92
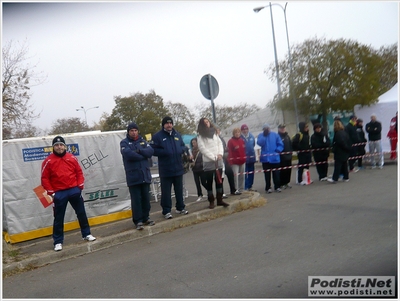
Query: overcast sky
pixel 94 51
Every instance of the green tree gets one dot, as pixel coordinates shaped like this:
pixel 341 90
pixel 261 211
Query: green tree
pixel 68 125
pixel 388 68
pixel 147 110
pixel 18 77
pixel 331 76
pixel 184 120
pixel 226 115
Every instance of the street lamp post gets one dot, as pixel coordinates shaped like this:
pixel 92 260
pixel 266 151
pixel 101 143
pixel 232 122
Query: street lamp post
pixel 85 110
pixel 289 53
pixel 276 56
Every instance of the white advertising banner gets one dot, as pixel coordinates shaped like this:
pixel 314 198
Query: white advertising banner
pixel 27 210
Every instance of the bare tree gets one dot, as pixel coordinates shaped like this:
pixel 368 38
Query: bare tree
pixel 18 77
pixel 68 125
pixel 184 120
pixel 226 115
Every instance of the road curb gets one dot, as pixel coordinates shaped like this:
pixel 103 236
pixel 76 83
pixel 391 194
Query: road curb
pixel 70 251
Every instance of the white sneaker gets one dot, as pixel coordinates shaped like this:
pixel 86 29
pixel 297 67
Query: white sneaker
pixel 57 247
pixel 90 237
pixel 331 180
pixel 199 199
pixel 183 212
pixel 324 179
pixel 168 215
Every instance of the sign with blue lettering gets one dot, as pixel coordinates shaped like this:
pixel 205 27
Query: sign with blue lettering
pixel 40 153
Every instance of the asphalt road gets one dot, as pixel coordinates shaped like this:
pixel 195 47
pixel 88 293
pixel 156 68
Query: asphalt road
pixel 343 229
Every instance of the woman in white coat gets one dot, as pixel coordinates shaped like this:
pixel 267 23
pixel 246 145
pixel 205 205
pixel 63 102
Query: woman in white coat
pixel 212 150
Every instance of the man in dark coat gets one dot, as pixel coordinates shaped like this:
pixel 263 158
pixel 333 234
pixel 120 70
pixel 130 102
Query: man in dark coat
pixel 168 147
pixel 351 130
pixel 341 150
pixel 362 142
pixel 286 157
pixel 320 143
pixel 374 129
pixel 136 153
pixel 301 144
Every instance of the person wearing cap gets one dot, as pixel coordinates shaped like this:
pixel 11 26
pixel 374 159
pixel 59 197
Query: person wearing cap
pixel 320 144
pixel 250 157
pixel 63 180
pixel 285 157
pixel 374 129
pixel 169 147
pixel 301 144
pixel 210 145
pixel 351 130
pixel 392 135
pixel 136 153
pixel 271 147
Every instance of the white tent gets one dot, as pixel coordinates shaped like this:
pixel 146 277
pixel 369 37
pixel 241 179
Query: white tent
pixel 385 109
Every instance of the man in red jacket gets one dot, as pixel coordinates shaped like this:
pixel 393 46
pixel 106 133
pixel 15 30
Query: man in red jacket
pixel 62 178
pixel 392 135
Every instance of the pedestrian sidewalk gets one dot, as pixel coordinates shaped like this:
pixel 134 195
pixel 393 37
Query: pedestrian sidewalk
pixel 28 255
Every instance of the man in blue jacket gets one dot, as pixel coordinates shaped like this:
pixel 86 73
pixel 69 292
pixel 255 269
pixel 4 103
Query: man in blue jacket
pixel 135 153
pixel 250 142
pixel 168 147
pixel 271 145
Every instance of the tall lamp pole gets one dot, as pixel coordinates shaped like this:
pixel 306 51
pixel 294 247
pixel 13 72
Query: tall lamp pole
pixel 85 110
pixel 290 55
pixel 256 10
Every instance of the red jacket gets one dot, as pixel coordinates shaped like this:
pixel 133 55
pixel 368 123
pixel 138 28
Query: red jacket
pixel 393 128
pixel 60 173
pixel 236 151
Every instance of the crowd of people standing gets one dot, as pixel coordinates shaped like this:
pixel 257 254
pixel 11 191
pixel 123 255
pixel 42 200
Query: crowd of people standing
pixel 212 159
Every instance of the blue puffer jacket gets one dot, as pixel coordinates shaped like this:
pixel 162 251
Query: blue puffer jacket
pixel 250 152
pixel 135 155
pixel 271 146
pixel 169 147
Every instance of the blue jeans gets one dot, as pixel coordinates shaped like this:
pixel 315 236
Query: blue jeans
pixel 140 202
pixel 375 149
pixel 166 189
pixel 61 199
pixel 249 177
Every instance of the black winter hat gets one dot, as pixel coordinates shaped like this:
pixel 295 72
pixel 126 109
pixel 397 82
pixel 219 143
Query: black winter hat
pixel 132 125
pixel 58 139
pixel 166 119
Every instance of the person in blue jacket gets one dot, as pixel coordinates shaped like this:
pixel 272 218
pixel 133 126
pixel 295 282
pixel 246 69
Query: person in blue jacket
pixel 169 147
pixel 250 142
pixel 271 145
pixel 136 153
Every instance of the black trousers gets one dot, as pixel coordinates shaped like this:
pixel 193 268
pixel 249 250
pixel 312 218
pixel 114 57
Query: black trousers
pixel 285 174
pixel 340 168
pixel 322 169
pixel 275 175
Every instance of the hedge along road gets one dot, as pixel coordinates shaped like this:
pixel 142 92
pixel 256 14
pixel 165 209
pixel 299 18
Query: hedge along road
pixel 343 229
